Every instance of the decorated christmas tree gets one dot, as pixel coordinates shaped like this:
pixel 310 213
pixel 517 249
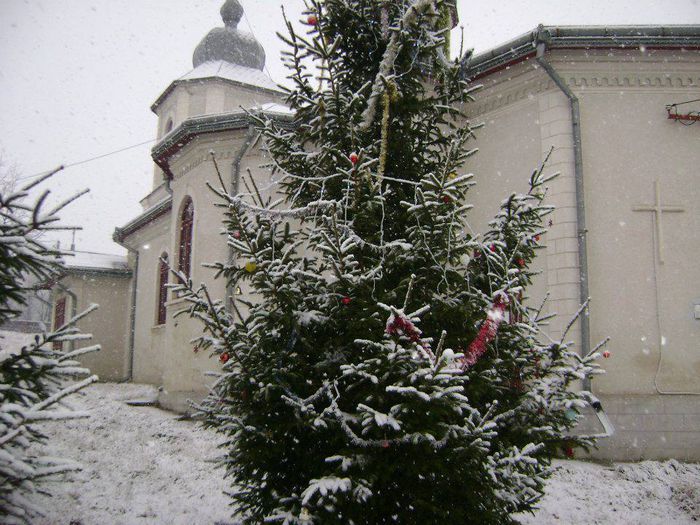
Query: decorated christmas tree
pixel 386 367
pixel 34 379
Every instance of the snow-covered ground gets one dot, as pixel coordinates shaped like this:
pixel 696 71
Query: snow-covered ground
pixel 13 341
pixel 141 464
pixel 144 466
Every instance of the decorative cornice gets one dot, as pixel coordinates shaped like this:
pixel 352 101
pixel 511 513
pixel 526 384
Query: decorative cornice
pixel 201 155
pixel 501 93
pixel 194 127
pixel 503 96
pixel 675 80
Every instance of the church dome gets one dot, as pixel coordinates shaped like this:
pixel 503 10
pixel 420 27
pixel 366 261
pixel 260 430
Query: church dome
pixel 230 44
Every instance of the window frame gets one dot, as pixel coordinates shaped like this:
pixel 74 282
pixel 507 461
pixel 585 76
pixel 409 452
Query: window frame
pixel 186 237
pixel 162 291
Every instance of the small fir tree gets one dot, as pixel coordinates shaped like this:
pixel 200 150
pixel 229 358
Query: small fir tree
pixel 36 378
pixel 385 368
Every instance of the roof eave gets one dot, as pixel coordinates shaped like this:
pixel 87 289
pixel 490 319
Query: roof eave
pixel 176 83
pixel 193 127
pixel 580 37
pixel 150 215
pixel 115 272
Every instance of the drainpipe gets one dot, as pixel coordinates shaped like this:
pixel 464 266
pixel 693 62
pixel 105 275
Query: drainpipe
pixel 132 317
pixel 132 306
pixel 235 182
pixel 580 204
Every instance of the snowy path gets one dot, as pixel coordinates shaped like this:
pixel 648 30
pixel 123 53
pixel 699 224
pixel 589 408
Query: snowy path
pixel 143 466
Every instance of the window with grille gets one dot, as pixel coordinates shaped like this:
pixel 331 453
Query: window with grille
pixel 162 289
pixel 186 227
pixel 59 319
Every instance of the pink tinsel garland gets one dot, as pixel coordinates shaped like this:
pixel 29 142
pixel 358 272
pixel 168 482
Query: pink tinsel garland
pixel 486 334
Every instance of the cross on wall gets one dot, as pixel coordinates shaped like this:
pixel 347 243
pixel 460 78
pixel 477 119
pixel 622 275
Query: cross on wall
pixel 658 210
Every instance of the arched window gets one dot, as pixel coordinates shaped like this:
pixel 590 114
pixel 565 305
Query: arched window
pixel 184 262
pixel 162 289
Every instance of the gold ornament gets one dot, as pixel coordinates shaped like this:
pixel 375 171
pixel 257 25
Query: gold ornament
pixel 251 266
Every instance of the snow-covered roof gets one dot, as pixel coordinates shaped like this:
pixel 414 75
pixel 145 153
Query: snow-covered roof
pixel 273 107
pixel 233 72
pixel 78 260
pixel 227 71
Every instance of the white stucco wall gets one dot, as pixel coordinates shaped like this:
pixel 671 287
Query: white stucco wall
pixel 628 143
pixel 109 324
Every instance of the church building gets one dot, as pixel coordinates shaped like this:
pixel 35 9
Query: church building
pixel 608 100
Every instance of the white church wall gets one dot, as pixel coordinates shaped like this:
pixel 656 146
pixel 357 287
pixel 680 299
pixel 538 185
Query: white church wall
pixel 645 306
pixel 183 371
pixel 628 143
pixel 524 117
pixel 149 338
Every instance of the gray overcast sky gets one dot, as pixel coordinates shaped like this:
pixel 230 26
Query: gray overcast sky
pixel 77 78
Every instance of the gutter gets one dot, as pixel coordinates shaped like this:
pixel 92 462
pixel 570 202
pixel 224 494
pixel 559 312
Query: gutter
pixel 115 272
pixel 235 182
pixel 132 319
pixel 581 37
pixel 580 203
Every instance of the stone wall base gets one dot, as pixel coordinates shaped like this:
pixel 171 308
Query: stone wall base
pixel 656 427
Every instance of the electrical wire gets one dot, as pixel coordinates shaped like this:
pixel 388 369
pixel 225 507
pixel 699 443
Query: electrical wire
pixel 85 161
pixel 250 27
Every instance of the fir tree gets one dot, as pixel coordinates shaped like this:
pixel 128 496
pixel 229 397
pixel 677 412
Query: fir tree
pixel 35 379
pixel 386 368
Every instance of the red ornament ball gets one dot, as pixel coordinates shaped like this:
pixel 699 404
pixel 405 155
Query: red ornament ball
pixel 354 158
pixel 224 357
pixel 537 238
pixel 385 444
pixel 346 300
pixel 446 199
pixel 520 262
pixel 569 451
pixel 606 354
pixel 492 247
pixel 312 20
pixel 236 234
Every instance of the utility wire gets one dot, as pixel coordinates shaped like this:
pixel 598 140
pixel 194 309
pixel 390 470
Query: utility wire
pixel 85 161
pixel 681 103
pixel 245 15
